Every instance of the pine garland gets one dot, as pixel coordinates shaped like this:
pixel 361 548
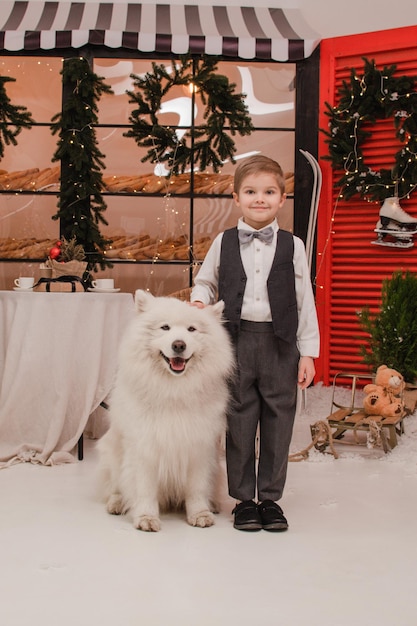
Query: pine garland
pixel 393 330
pixel 377 94
pixel 207 145
pixel 16 116
pixel 81 205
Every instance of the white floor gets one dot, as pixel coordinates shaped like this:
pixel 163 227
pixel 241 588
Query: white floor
pixel 348 559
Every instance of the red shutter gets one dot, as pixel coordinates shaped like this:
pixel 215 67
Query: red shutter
pixel 350 269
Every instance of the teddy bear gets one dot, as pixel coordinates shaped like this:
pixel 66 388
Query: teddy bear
pixel 384 397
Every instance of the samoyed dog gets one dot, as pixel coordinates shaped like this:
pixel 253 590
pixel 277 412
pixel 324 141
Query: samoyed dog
pixel 167 412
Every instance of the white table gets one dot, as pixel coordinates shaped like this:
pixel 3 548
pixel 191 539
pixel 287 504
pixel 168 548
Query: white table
pixel 58 357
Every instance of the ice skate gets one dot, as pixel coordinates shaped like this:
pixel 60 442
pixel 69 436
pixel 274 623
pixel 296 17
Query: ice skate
pixel 393 238
pixel 395 228
pixel 393 219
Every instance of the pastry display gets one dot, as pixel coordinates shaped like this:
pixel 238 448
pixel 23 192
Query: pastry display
pixel 47 179
pixel 131 248
pixel 26 248
pixel 141 247
pixel 34 179
pixel 145 248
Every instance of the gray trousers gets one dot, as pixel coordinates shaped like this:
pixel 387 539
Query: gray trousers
pixel 265 392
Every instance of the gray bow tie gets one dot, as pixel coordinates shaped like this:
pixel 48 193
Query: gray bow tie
pixel 266 235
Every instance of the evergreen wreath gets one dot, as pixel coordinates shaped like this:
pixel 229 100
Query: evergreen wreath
pixel 208 144
pixel 375 95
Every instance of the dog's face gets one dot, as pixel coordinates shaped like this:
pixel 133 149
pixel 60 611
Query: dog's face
pixel 177 345
pixel 175 333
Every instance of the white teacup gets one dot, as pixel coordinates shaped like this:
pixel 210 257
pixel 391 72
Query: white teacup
pixel 103 283
pixel 24 282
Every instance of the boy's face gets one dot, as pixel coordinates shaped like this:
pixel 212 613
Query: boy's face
pixel 259 199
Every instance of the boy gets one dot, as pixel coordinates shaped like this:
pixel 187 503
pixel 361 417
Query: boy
pixel 261 274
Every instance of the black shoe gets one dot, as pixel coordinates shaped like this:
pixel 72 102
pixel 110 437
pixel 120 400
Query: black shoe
pixel 247 516
pixel 272 516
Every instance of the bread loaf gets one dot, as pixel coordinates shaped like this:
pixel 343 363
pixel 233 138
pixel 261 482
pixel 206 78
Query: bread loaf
pixel 204 182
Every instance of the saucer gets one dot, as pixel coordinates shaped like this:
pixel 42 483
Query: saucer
pixel 22 288
pixel 97 290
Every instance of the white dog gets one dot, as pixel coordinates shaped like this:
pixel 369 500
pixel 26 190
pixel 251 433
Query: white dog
pixel 167 412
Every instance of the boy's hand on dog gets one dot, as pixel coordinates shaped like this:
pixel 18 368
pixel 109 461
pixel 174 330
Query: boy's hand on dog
pixel 198 304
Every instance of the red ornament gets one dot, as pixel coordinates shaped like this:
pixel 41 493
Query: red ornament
pixel 55 251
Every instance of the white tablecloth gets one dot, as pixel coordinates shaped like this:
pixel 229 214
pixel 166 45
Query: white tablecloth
pixel 58 357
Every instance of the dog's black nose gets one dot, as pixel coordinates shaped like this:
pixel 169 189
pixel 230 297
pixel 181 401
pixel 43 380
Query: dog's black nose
pixel 178 346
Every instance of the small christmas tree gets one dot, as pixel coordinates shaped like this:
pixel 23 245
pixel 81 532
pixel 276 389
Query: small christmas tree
pixel 11 116
pixel 81 204
pixel 393 330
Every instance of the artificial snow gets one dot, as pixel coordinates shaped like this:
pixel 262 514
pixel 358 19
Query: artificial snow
pixel 349 557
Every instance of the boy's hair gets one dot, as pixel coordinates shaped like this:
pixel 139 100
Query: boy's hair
pixel 258 164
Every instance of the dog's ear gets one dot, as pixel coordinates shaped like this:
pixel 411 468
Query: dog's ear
pixel 142 300
pixel 218 308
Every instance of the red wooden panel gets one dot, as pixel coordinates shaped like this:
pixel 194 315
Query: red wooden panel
pixel 350 269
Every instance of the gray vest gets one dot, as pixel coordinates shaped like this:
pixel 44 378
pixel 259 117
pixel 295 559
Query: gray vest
pixel 280 285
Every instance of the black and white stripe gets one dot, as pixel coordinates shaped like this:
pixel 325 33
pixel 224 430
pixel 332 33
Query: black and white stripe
pixel 243 32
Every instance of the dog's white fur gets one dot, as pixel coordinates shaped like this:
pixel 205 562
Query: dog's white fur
pixel 167 412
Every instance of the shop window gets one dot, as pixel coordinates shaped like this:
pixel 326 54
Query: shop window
pixel 177 215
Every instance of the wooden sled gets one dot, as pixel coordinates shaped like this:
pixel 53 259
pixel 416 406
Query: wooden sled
pixel 381 431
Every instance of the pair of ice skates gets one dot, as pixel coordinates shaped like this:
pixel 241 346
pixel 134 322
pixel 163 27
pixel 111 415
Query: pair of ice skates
pixel 395 227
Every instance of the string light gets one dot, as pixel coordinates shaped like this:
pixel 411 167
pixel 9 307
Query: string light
pixel 345 125
pixel 169 225
pixel 385 96
pixel 326 243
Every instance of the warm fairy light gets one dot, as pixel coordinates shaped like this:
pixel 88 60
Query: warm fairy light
pixel 348 117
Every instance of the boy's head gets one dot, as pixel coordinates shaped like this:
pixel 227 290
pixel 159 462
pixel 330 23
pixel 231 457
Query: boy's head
pixel 259 190
pixel 258 164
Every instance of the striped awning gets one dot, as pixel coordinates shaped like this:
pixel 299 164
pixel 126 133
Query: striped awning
pixel 241 32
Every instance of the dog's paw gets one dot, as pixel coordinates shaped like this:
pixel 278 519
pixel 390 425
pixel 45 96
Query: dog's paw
pixel 115 505
pixel 203 519
pixel 149 523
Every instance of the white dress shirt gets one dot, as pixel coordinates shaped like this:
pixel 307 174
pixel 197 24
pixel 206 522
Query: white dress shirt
pixel 257 257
